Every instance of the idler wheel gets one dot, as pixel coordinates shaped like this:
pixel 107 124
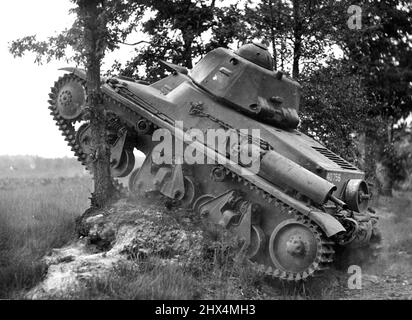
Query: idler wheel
pixel 71 100
pixel 293 246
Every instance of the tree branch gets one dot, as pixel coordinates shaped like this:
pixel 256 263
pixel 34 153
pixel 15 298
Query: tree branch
pixel 136 43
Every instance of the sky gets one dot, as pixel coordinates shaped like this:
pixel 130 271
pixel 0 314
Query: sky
pixel 26 127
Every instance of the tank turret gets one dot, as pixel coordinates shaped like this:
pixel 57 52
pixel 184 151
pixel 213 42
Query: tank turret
pixel 246 81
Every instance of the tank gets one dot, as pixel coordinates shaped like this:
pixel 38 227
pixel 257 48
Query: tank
pixel 222 139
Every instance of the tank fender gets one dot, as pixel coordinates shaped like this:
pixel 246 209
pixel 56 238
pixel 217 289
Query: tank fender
pixel 326 222
pixel 78 72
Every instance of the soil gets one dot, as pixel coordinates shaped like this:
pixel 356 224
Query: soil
pixel 390 277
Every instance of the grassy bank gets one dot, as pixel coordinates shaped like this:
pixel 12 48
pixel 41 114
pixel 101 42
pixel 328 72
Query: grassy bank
pixel 36 215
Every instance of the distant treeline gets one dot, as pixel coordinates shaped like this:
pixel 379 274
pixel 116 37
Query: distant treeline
pixel 37 167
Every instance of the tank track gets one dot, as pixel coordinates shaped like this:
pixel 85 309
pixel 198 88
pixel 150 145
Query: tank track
pixel 325 246
pixel 67 129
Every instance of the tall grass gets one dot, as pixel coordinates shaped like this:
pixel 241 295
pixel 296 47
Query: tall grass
pixel 34 218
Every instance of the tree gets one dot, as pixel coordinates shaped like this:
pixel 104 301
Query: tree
pixel 96 30
pixel 93 18
pixel 268 22
pixel 334 108
pixel 181 32
pixel 381 52
pixel 297 31
pixel 377 55
pixel 174 31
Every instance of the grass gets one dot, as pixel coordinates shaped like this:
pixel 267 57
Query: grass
pixel 396 225
pixel 36 215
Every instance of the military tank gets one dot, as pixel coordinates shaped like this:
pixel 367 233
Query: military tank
pixel 222 139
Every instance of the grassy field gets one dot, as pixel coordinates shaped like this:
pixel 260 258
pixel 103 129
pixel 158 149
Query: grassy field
pixel 36 215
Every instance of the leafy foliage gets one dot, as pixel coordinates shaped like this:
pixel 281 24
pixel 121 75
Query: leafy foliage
pixel 382 54
pixel 176 32
pixel 334 107
pixel 120 17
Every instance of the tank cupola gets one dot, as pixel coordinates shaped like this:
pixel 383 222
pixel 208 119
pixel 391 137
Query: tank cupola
pixel 256 53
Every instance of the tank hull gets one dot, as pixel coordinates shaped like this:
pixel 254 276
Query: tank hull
pixel 285 204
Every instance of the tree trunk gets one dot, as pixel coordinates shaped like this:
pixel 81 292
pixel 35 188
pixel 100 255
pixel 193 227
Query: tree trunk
pixel 272 35
pixel 383 175
pixel 95 32
pixel 375 168
pixel 370 154
pixel 297 41
pixel 383 170
pixel 187 48
pixel 282 54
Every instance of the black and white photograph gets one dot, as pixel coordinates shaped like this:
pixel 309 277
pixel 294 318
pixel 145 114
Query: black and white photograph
pixel 209 156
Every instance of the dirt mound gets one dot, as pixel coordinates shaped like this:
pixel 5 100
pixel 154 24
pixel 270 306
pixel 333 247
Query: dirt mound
pixel 119 234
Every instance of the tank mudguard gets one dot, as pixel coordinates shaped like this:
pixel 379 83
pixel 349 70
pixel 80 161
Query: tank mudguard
pixel 78 72
pixel 326 222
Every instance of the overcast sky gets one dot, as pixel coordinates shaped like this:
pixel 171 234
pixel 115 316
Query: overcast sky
pixel 26 126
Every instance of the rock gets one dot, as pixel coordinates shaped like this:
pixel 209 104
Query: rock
pixel 94 219
pixel 68 267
